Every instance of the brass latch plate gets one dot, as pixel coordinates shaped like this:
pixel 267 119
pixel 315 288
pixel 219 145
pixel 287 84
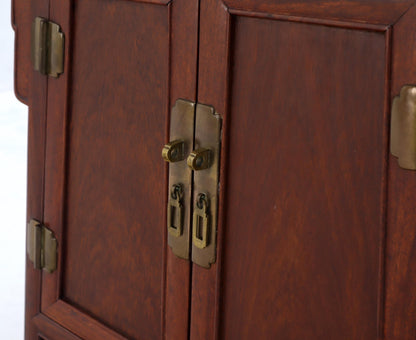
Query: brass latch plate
pixel 205 161
pixel 48 45
pixel 41 246
pixel 180 177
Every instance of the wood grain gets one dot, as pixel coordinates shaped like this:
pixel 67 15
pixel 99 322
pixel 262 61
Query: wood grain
pixel 384 12
pixel 50 330
pixel 305 188
pixel 79 323
pixel 212 90
pixel 302 241
pixel 311 20
pixel 305 78
pixel 35 180
pixel 136 105
pixel 57 105
pixel 115 228
pixel 183 78
pixel 400 298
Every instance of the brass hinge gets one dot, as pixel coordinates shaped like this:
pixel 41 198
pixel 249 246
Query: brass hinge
pixel 41 246
pixel 48 47
pixel 403 128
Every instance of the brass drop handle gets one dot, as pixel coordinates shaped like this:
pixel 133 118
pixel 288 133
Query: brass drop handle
pixel 174 151
pixel 200 159
pixel 201 222
pixel 175 211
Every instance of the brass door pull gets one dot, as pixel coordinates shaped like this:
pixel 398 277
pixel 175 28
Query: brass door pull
pixel 200 159
pixel 174 151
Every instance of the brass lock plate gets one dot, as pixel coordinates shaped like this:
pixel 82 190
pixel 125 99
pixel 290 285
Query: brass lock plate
pixel 206 184
pixel 179 212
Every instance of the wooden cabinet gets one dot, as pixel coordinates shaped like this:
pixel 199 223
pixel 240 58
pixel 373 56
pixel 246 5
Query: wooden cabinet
pixel 316 220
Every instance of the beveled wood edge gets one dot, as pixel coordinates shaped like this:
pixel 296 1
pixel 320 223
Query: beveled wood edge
pixel 352 22
pixel 35 179
pixel 311 20
pixel 56 129
pixel 384 193
pixel 153 2
pixel 50 330
pixel 79 323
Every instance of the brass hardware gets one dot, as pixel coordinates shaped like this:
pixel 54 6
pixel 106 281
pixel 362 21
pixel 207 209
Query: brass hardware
pixel 200 225
pixel 199 159
pixel 175 211
pixel 41 246
pixel 48 44
pixel 207 137
pixel 403 128
pixel 182 137
pixel 174 151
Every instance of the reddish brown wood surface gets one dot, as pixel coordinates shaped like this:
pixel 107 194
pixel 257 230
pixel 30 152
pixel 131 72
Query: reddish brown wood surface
pixel 21 23
pixel 114 226
pixel 35 180
pixel 57 103
pixel 307 120
pixel 105 180
pixel 304 91
pixel 51 330
pixel 400 297
pixel 79 323
pixel 212 90
pixel 302 241
pixel 183 63
pixel 362 11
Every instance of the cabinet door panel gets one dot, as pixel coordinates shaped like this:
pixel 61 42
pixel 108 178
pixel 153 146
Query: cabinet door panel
pixel 305 102
pixel 105 181
pixel 306 161
pixel 114 242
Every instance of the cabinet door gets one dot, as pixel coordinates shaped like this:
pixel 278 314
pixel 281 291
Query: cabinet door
pixel 304 89
pixel 96 176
